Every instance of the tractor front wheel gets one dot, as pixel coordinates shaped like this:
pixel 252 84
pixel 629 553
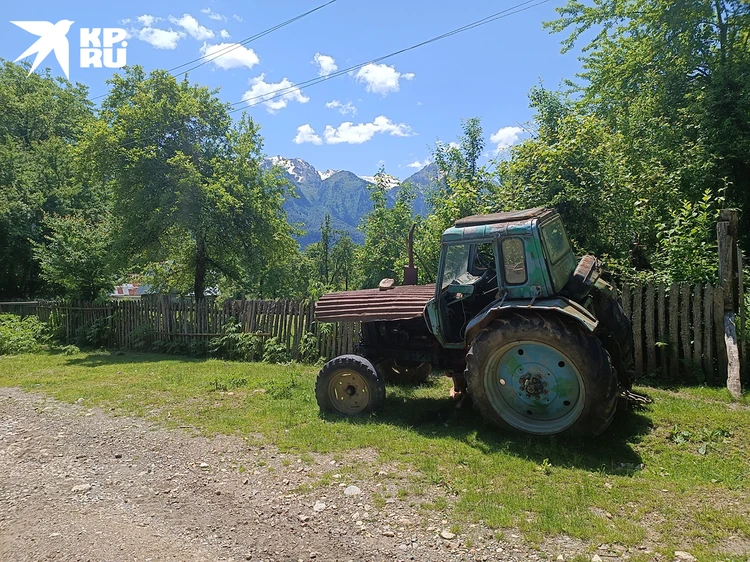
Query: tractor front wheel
pixel 539 374
pixel 349 385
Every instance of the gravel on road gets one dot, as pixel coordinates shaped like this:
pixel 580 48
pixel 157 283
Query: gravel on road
pixel 78 483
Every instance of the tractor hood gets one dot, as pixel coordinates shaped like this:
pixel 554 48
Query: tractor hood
pixel 368 305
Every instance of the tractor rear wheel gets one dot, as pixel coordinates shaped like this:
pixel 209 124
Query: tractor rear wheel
pixel 409 373
pixel 349 385
pixel 539 374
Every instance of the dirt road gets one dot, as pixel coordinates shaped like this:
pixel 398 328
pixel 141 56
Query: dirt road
pixel 77 483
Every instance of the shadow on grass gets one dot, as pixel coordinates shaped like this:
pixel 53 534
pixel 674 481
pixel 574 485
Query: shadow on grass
pixel 99 358
pixel 436 418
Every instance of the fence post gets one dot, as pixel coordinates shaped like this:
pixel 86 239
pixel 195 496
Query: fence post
pixel 726 235
pixel 743 334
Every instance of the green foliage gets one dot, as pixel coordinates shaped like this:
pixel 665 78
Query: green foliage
pixel 22 335
pixel 75 259
pixel 463 188
pixel 687 249
pixel 383 254
pixel 94 334
pixel 331 262
pixel 274 351
pixel 142 337
pixel 235 344
pixel 227 383
pixel 308 348
pixel 705 438
pixel 284 387
pixel 187 182
pixel 660 119
pixel 41 121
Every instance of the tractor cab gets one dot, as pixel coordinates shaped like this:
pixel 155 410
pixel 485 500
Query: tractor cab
pixel 488 259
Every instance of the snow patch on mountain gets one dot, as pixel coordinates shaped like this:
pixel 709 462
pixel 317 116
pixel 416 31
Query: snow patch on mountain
pixel 327 174
pixel 390 181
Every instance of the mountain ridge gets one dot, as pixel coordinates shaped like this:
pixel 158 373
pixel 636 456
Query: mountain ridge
pixel 341 193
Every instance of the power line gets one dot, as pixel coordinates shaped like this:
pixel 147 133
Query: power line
pixel 221 52
pixel 521 7
pixel 247 40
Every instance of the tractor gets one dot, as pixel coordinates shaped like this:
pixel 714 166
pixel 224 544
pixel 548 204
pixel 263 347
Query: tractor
pixel 533 336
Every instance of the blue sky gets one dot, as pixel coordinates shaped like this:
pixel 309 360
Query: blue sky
pixel 389 113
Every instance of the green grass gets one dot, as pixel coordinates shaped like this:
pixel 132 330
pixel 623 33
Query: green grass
pixel 673 476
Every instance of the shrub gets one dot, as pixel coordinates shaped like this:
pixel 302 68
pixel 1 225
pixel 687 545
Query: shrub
pixel 235 344
pixel 274 351
pixel 22 335
pixel 308 348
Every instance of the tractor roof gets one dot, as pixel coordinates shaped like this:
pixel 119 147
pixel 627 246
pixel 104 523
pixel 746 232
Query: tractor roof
pixel 510 216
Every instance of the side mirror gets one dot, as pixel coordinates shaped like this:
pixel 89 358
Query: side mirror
pixel 460 289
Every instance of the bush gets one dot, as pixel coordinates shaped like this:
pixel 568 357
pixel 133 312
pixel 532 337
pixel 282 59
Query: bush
pixel 274 351
pixel 22 335
pixel 94 334
pixel 235 344
pixel 308 348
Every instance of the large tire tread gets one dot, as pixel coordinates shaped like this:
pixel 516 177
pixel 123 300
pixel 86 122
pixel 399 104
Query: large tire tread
pixel 600 384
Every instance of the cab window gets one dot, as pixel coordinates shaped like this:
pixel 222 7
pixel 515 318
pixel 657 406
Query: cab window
pixel 514 261
pixel 555 240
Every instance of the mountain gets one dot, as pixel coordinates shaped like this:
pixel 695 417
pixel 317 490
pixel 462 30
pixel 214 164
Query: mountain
pixel 341 193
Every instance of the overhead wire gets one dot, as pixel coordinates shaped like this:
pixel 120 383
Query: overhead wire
pixel 275 94
pixel 521 7
pixel 205 59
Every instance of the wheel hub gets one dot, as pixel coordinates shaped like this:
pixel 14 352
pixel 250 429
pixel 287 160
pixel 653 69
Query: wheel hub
pixel 533 385
pixel 348 392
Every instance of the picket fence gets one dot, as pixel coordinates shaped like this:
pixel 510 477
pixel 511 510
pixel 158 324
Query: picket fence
pixel 678 329
pixel 169 323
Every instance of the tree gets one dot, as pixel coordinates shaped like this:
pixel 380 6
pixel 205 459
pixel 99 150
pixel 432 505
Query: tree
pixel 331 260
pixel 75 259
pixel 383 254
pixel 672 75
pixel 187 182
pixel 41 121
pixel 463 187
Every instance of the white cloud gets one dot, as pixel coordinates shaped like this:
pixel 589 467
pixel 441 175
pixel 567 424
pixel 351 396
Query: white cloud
pixel 224 34
pixel 237 18
pixel 381 78
pixel 505 137
pixel 213 15
pixel 344 108
pixel 147 20
pixel 126 21
pixel 305 133
pixel 362 132
pixel 454 144
pixel 237 57
pixel 160 38
pixel 325 63
pixel 419 165
pixel 262 91
pixel 191 25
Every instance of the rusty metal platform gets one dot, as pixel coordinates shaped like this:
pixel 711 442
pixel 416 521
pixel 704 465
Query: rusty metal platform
pixel 368 305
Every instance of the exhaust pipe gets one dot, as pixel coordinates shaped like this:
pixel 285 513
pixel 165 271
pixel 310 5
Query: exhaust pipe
pixel 410 272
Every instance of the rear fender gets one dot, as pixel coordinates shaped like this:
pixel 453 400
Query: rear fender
pixel 558 305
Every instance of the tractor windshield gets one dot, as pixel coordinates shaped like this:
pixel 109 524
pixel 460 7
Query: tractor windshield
pixel 457 265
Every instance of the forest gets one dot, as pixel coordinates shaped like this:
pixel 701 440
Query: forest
pixel 159 184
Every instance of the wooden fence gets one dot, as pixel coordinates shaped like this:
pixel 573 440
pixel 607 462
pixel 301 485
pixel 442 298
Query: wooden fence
pixel 678 329
pixel 167 323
